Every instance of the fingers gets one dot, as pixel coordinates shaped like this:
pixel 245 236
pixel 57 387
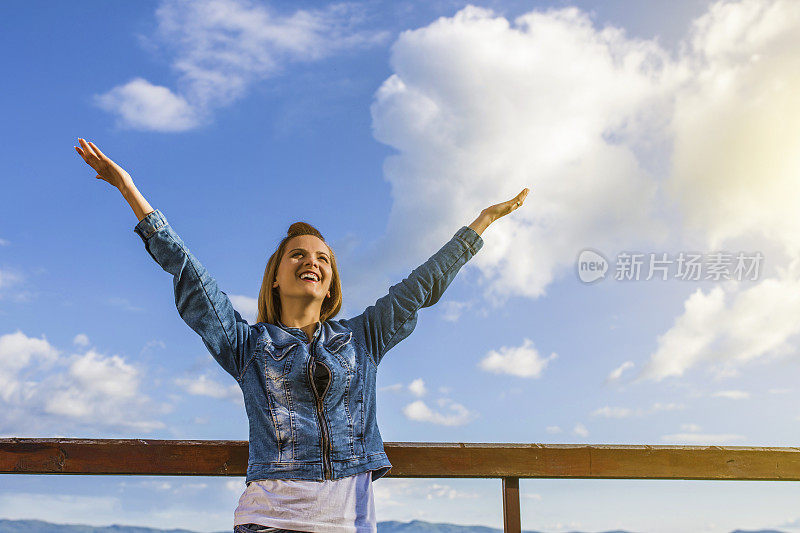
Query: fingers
pixel 520 198
pixel 88 155
pixel 87 148
pixel 97 150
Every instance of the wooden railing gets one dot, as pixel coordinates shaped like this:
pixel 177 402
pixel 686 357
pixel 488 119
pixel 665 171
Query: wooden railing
pixel 507 461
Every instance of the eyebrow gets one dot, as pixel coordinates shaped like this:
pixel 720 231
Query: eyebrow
pixel 303 250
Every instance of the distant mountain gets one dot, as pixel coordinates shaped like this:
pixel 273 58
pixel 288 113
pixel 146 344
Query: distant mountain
pixel 415 526
pixel 757 531
pixel 40 526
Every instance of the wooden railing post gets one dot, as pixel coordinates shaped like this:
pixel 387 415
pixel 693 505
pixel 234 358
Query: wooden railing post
pixel 511 519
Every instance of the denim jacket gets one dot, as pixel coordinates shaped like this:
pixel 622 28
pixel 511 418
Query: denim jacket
pixel 296 431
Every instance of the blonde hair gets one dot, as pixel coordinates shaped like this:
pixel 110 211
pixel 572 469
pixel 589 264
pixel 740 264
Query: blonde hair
pixel 269 301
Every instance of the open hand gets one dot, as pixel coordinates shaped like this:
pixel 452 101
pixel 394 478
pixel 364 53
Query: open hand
pixel 502 209
pixel 106 169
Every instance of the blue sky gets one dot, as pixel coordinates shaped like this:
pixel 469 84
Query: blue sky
pixel 657 128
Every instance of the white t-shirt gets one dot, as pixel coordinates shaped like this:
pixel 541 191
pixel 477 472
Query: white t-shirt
pixel 344 505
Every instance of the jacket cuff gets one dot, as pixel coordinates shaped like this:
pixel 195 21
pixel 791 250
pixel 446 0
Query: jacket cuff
pixel 154 221
pixel 471 238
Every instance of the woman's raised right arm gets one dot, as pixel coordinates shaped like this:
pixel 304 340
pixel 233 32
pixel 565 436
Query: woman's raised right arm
pixel 200 302
pixel 116 176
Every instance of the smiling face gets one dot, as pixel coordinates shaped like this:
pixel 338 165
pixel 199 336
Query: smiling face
pixel 304 253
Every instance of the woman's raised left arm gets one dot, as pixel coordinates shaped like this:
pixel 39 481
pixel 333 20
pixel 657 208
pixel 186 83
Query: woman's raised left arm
pixel 394 316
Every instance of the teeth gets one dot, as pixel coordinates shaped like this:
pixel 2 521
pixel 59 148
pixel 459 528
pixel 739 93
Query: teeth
pixel 309 276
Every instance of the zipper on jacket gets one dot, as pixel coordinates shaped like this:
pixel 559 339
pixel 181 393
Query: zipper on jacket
pixel 327 470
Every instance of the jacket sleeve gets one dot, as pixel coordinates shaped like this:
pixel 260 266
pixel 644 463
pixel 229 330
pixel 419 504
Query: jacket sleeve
pixel 394 316
pixel 200 302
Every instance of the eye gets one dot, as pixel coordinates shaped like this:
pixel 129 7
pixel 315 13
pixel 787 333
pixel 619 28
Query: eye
pixel 324 258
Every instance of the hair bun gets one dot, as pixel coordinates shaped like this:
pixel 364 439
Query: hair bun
pixel 303 228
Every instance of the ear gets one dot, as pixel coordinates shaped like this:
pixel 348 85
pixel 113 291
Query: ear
pixel 274 284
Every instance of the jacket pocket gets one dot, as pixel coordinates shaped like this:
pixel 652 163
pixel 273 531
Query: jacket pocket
pixel 277 365
pixel 340 347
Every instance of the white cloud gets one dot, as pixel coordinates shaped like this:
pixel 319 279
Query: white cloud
pixel 701 438
pixel 693 436
pixel 8 278
pixel 4 242
pixel 553 429
pixel 475 96
pixel 417 387
pixel 479 108
pixel 522 361
pixel 615 374
pixel 141 105
pixel 627 412
pixel 61 508
pixel 149 345
pixel 757 322
pixel 614 412
pixel 47 393
pixel 124 303
pixel 81 339
pixel 732 394
pixel 18 351
pixel 420 412
pixel 205 385
pixel 393 388
pixel 735 140
pixel 236 485
pixel 671 406
pixel 219 48
pixel 246 306
pixel 683 345
pixel 735 125
pixel 91 382
pixel 453 310
pixel 439 490
pixel 580 430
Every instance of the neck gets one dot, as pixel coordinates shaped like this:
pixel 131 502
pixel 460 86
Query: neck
pixel 300 315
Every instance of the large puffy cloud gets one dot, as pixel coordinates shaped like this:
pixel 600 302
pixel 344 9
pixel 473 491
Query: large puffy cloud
pixel 736 178
pixel 220 48
pixel 479 109
pixel 737 125
pixel 611 134
pixel 46 393
pixel 726 330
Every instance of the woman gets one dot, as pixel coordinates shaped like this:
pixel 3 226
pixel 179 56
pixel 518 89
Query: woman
pixel 308 381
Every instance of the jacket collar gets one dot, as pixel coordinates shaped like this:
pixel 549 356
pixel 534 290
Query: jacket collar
pixel 300 334
pixel 286 336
